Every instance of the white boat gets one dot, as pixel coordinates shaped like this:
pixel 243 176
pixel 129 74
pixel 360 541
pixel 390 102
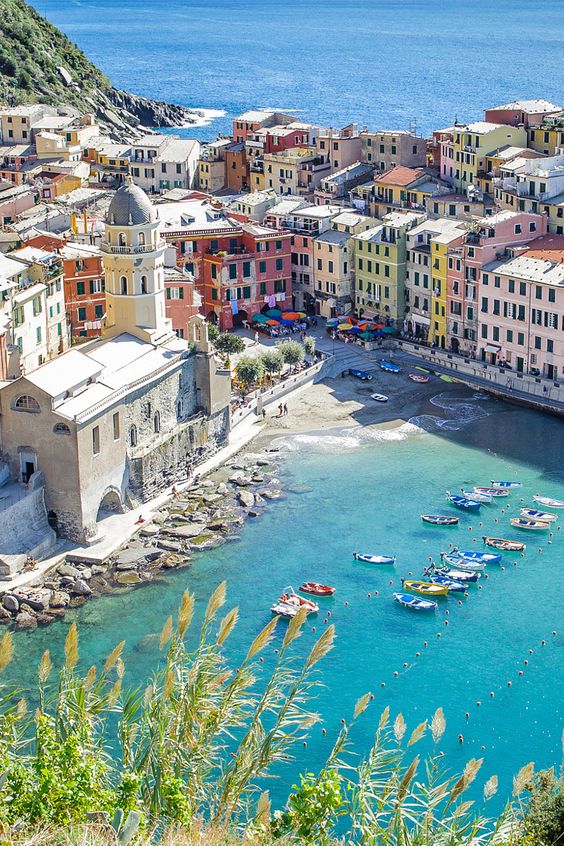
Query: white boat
pixel 491 491
pixel 548 502
pixel 374 559
pixel 497 484
pixel 457 563
pixel 533 514
pixel 284 610
pixel 530 525
pixel 379 397
pixel 476 496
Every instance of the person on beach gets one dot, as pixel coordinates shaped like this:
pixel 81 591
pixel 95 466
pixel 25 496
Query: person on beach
pixel 139 520
pixel 285 409
pixel 256 338
pixel 280 410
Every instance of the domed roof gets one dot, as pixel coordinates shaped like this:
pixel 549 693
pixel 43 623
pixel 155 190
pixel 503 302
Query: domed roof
pixel 130 206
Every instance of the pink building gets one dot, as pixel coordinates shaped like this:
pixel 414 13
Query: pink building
pixel 486 242
pixel 522 310
pixel 522 112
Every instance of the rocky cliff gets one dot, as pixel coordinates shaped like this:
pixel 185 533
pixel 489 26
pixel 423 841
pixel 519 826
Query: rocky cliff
pixel 38 63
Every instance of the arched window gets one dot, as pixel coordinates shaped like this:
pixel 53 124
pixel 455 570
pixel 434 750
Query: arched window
pixel 143 284
pixel 61 429
pixel 133 436
pixel 121 239
pixel 123 282
pixel 157 422
pixel 141 239
pixel 27 403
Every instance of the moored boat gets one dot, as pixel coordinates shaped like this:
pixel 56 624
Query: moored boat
pixel 415 602
pixel 476 496
pixel 374 559
pixel 533 514
pixel 496 492
pixel 504 544
pixel 477 555
pixel 315 589
pixel 293 600
pixel 461 564
pixel 531 525
pixel 461 502
pixel 458 575
pixel 379 397
pixel 454 587
pixel 282 609
pixel 548 502
pixel 439 519
pixel 418 377
pixel 494 483
pixel 426 588
pixel 388 366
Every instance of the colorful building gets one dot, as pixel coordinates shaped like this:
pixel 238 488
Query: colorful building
pixel 463 156
pixel 387 149
pixel 537 187
pixel 527 113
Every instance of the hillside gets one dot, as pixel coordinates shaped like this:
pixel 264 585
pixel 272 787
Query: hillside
pixel 38 63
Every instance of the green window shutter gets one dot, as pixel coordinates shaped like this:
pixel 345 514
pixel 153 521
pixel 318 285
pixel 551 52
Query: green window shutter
pixel 181 293
pixel 168 293
pixel 80 288
pixel 91 286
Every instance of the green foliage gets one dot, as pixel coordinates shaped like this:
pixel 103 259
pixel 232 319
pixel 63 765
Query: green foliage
pixel 292 352
pixel 309 345
pixel 213 331
pixel 544 815
pixel 249 370
pixel 313 808
pixel 227 343
pixel 272 360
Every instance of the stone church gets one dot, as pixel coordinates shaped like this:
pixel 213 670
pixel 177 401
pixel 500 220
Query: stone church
pixel 109 424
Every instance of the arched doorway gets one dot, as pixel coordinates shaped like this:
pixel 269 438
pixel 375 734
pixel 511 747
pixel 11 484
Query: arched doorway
pixel 455 345
pixel 239 318
pixel 110 504
pixel 212 317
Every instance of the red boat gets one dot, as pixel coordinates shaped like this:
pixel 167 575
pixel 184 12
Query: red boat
pixel 418 377
pixel 317 589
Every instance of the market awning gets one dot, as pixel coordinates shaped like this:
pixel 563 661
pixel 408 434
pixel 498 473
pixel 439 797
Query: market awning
pixel 492 348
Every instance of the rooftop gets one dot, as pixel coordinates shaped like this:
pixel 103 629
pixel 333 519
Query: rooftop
pixel 10 267
pixel 130 206
pixel 333 236
pixel 178 150
pixel 531 107
pixel 548 247
pixel 530 269
pixel 152 140
pixel 400 176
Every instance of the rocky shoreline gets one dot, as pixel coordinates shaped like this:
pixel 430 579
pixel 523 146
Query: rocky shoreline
pixel 203 516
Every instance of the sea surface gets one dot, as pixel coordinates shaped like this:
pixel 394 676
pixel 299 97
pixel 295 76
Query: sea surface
pixel 381 63
pixel 365 490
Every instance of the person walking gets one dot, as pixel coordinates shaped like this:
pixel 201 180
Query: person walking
pixel 256 338
pixel 285 409
pixel 264 414
pixel 280 410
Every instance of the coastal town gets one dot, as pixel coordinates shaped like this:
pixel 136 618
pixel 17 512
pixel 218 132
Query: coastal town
pixel 120 263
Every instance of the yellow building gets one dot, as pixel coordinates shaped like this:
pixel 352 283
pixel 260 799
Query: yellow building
pixel 471 144
pixel 548 137
pixel 296 171
pixel 380 267
pixel 399 188
pixel 440 244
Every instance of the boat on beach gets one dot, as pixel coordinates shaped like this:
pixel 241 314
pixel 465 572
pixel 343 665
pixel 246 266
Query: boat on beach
pixel 494 492
pixel 415 602
pixel 533 514
pixel 476 496
pixel 504 544
pixel 530 525
pixel 315 589
pixel 426 588
pixel 418 377
pixel 477 555
pixel 374 559
pixel 453 586
pixel 439 519
pixel 379 397
pixel 388 366
pixel 462 502
pixel 548 502
pixel 496 484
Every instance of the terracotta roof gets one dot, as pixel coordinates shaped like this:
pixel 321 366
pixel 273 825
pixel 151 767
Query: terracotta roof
pixel 400 175
pixel 548 247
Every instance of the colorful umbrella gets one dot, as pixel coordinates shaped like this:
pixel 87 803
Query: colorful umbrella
pixel 366 335
pixel 292 315
pixel 345 326
pixel 333 321
pixel 389 330
pixel 260 318
pixel 273 312
pixel 355 330
pixel 273 323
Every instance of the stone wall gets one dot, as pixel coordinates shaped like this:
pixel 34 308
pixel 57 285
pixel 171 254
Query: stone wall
pixel 24 530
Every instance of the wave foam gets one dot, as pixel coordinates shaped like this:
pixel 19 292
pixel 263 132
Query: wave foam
pixel 461 413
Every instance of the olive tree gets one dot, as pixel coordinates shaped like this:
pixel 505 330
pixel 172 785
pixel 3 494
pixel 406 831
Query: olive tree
pixel 272 361
pixel 292 352
pixel 229 344
pixel 249 370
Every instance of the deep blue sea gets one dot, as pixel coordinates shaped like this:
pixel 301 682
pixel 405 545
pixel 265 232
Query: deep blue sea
pixel 381 63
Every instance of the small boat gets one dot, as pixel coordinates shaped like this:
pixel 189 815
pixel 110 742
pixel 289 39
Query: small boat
pixel 491 491
pixel 379 397
pixel 418 377
pixel 497 484
pixel 533 514
pixel 360 374
pixel 374 559
pixel 458 575
pixel 476 496
pixel 454 587
pixel 388 366
pixel 548 502
pixel 477 555
pixel 439 520
pixel 531 525
pixel 415 603
pixel 426 588
pixel 461 564
pixel 504 544
pixel 282 609
pixel 461 502
pixel 294 600
pixel 316 589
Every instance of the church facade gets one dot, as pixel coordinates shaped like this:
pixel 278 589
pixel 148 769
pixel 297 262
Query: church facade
pixel 110 424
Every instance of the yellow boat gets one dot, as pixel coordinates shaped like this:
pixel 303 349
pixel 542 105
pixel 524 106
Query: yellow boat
pixel 425 588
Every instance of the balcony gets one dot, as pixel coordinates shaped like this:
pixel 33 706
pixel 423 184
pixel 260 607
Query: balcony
pixel 145 248
pixel 237 252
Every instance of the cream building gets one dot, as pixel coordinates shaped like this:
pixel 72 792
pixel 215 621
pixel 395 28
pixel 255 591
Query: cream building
pixel 110 424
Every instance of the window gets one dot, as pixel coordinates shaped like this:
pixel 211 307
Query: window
pixel 214 271
pixel 61 429
pixel 551 295
pixel 96 440
pixel 26 403
pixel 511 286
pixel 38 334
pixel 330 267
pixel 80 288
pixel 143 284
pixel 115 426
pixel 157 422
pixel 279 286
pixel 123 283
pixel 484 331
pixel 82 314
pixel 496 333
pixel 537 342
pixel 279 264
pixel 233 271
pixel 99 312
pixel 37 306
pixel 510 336
pixel 121 239
pixel 262 267
pixel 485 304
pixel 246 269
pixel 263 288
pixel 523 289
pixel 247 292
pixel 133 436
pixel 497 281
pixel 517 228
pixel 485 280
pixel 550 346
pixel 520 338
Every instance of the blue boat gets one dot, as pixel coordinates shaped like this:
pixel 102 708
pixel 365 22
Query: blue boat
pixel 455 587
pixel 458 575
pixel 477 555
pixel 374 559
pixel 360 374
pixel 462 502
pixel 498 484
pixel 388 366
pixel 439 520
pixel 415 603
pixel 455 560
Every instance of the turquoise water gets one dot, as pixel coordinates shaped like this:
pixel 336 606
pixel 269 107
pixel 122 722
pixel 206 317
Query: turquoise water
pixel 366 490
pixel 383 63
